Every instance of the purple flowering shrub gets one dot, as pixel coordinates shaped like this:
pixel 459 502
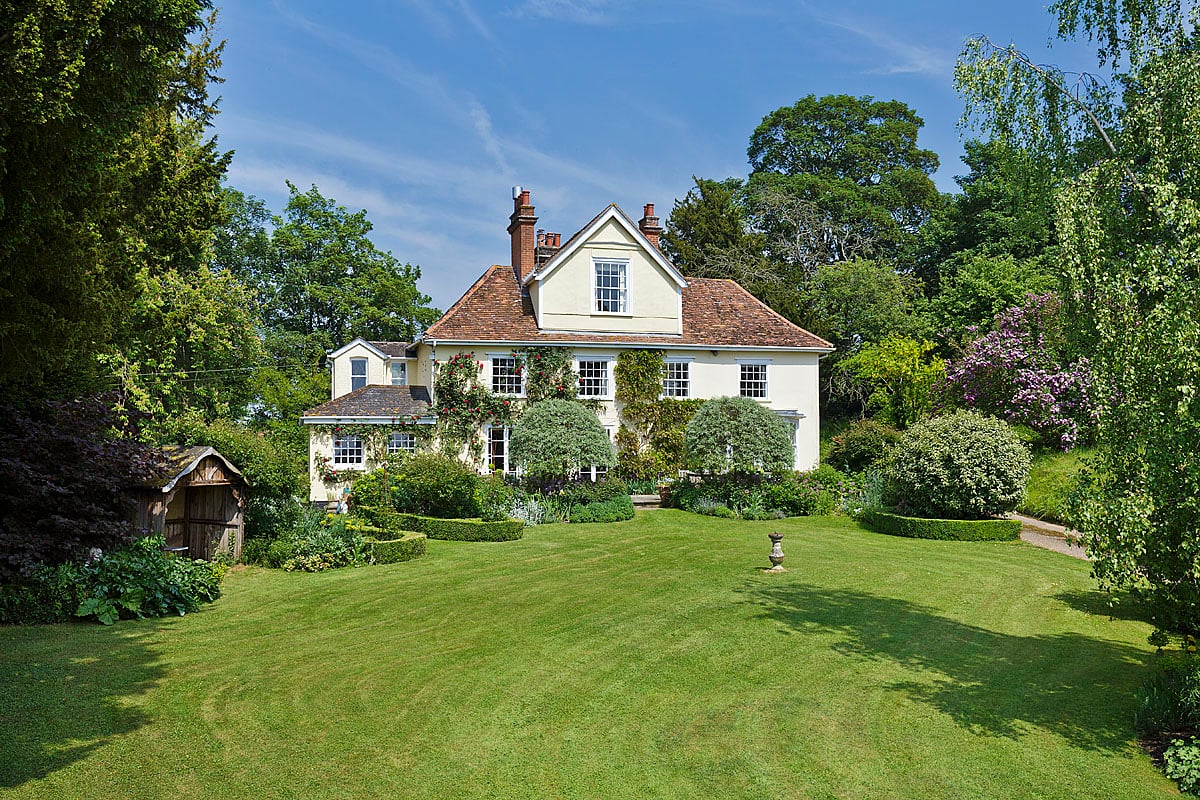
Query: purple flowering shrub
pixel 1017 372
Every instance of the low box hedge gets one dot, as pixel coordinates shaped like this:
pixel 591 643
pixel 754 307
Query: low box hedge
pixel 963 530
pixel 390 551
pixel 463 530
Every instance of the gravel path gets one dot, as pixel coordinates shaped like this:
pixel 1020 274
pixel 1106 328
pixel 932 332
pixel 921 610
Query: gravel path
pixel 1049 536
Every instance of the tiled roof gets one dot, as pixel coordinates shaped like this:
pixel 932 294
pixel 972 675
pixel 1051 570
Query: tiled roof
pixel 393 349
pixel 716 313
pixel 376 401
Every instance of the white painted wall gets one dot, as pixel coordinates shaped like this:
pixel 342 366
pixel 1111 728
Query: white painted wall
pixel 565 299
pixel 378 370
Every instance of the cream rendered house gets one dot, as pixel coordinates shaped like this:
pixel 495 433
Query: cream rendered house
pixel 606 289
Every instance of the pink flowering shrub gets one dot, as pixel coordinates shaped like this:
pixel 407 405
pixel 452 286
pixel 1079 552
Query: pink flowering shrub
pixel 1017 372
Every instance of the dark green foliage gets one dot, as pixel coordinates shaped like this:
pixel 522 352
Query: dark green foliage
pixel 651 439
pixel 861 444
pixel 558 438
pixel 277 477
pixel 737 434
pixel 87 91
pixel 46 595
pixel 548 373
pixel 65 473
pixel 961 466
pixel 494 497
pixel 617 509
pixel 142 581
pixel 254 551
pixel 391 551
pixel 1169 700
pixel 374 489
pixel 708 221
pixel 463 530
pixel 964 530
pixel 436 485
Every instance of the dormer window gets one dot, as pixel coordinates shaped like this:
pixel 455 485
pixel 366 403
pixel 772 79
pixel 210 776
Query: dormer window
pixel 358 373
pixel 611 286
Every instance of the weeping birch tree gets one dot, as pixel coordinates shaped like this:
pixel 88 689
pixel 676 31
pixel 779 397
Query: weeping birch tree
pixel 1129 226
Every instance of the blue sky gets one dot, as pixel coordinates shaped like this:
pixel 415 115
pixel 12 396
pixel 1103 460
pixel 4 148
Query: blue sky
pixel 427 112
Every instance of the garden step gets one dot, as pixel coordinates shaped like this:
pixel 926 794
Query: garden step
pixel 645 501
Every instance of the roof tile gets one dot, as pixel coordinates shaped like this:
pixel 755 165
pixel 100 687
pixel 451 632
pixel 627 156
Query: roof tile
pixel 376 401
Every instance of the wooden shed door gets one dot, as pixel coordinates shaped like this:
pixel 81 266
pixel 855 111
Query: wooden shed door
pixel 211 519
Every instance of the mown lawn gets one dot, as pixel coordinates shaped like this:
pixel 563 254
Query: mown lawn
pixel 643 659
pixel 1051 479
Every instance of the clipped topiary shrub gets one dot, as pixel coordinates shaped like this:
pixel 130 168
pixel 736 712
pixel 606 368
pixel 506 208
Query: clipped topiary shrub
pixel 861 445
pixel 963 530
pixel 463 530
pixel 558 438
pixel 737 434
pixel 390 551
pixel 961 466
pixel 436 485
pixel 615 509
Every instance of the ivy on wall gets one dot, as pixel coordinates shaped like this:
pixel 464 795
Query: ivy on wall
pixel 650 440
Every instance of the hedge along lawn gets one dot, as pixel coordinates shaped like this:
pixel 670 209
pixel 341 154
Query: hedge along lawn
pixel 650 658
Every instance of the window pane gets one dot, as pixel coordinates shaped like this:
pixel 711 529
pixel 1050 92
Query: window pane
pixel 358 373
pixel 677 381
pixel 401 443
pixel 505 377
pixel 498 449
pixel 612 289
pixel 347 450
pixel 593 379
pixel 399 373
pixel 754 380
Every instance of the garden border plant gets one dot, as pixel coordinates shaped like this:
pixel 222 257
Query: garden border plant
pixel 961 530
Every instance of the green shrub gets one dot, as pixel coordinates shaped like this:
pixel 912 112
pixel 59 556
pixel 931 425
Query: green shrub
pixel 615 509
pixel 47 595
pixel 560 437
pixel 391 551
pixel 961 466
pixel 1169 700
pixel 862 444
pixel 1181 762
pixel 463 530
pixel 793 494
pixel 143 581
pixel 254 551
pixel 494 497
pixel 963 530
pixel 318 542
pixel 737 434
pixel 374 489
pixel 436 485
pixel 712 508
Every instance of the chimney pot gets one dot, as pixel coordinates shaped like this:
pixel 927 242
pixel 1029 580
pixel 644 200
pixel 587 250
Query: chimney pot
pixel 522 227
pixel 648 224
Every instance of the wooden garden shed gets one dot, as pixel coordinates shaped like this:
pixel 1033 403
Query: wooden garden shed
pixel 196 501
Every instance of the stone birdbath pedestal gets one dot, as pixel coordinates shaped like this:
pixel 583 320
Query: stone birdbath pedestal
pixel 776 555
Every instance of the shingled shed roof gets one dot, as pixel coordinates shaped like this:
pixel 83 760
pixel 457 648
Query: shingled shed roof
pixel 377 401
pixel 178 461
pixel 716 313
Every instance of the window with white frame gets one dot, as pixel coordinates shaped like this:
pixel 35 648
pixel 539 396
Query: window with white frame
pixel 399 371
pixel 347 451
pixel 612 287
pixel 497 449
pixel 593 378
pixel 753 381
pixel 358 373
pixel 677 379
pixel 506 375
pixel 596 472
pixel 401 443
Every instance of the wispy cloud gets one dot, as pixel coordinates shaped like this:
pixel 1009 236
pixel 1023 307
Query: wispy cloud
pixel 908 57
pixel 583 12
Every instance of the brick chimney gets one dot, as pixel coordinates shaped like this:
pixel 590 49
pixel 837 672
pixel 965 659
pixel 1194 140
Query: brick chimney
pixel 548 244
pixel 521 227
pixel 649 226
